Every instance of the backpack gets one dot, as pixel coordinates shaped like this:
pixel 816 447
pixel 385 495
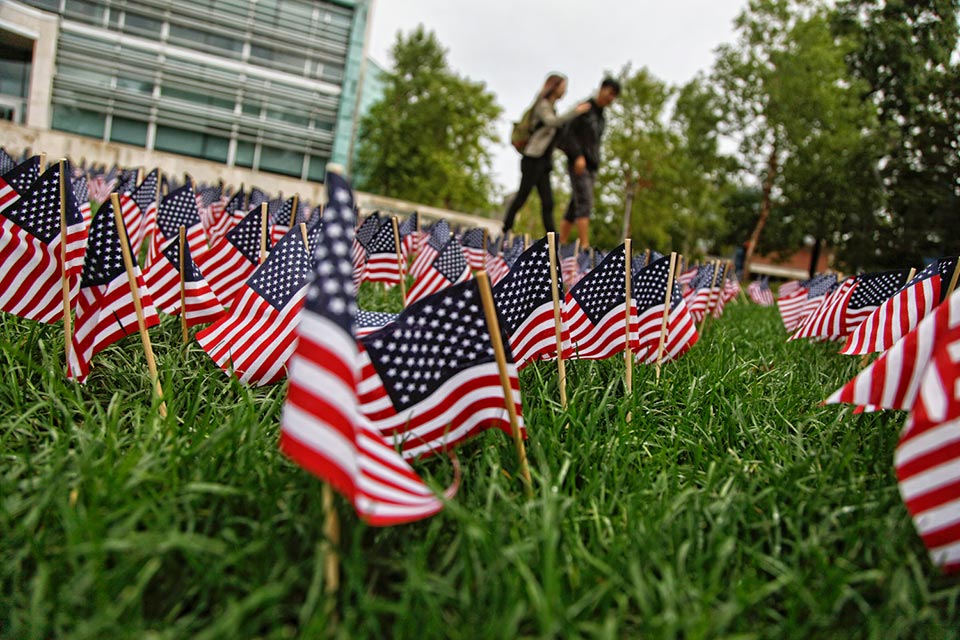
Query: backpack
pixel 523 129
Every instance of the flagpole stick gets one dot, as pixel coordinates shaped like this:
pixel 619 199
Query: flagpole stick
pixel 64 281
pixel 294 208
pixel 43 161
pixel 666 312
pixel 139 176
pixel 493 324
pixel 557 325
pixel 713 283
pixel 953 280
pixel 396 243
pixel 263 232
pixel 646 258
pixel 485 240
pixel 628 351
pixel 183 286
pixel 331 530
pixel 135 293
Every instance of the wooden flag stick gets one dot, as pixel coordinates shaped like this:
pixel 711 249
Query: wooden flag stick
pixel 331 529
pixel 713 283
pixel 263 232
pixel 43 161
pixel 135 293
pixel 396 242
pixel 526 241
pixel 557 325
pixel 485 240
pixel 593 258
pixel 666 312
pixel 183 285
pixel 646 258
pixel 628 351
pixel 294 208
pixel 306 238
pixel 490 311
pixel 64 281
pixel 139 176
pixel 953 280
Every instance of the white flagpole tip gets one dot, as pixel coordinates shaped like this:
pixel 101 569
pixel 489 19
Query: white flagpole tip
pixel 335 167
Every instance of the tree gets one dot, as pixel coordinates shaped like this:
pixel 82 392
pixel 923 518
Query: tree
pixel 906 54
pixel 804 132
pixel 429 138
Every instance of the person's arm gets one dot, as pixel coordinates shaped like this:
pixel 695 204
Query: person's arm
pixel 545 114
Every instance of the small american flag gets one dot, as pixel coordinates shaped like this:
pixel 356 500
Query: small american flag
pixel 102 185
pixel 257 197
pixel 369 321
pixel 826 320
pixel 31 265
pixel 473 250
pixel 495 265
pixel 900 313
pixel 365 233
pixel 82 195
pixel 594 312
pixel 382 262
pixel 410 237
pixel 568 263
pixel 435 242
pixel 525 303
pixel 259 334
pixel 233 258
pixel 429 379
pixel 851 303
pixel 6 161
pixel 759 291
pixel 139 209
pixel 800 303
pixel 449 268
pixel 893 380
pixel 105 308
pixel 322 428
pixel 163 279
pixel 18 180
pixel 280 219
pixel 927 458
pixel 649 290
pixel 698 295
pixel 176 210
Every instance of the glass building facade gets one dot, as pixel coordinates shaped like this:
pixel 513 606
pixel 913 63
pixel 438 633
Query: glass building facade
pixel 269 85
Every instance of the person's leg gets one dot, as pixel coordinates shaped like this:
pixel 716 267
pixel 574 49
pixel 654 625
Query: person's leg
pixel 546 195
pixel 528 179
pixel 567 223
pixel 581 197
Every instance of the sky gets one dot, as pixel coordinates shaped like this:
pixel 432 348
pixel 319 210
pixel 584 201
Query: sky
pixel 511 45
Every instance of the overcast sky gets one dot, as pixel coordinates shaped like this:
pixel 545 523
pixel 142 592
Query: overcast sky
pixel 511 45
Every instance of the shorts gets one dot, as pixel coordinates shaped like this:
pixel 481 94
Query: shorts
pixel 581 194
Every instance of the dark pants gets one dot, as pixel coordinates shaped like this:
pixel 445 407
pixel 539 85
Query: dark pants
pixel 581 194
pixel 534 172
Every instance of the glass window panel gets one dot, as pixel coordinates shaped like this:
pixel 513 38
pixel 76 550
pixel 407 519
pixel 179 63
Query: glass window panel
pixel 135 84
pixel 192 143
pixel 142 24
pixel 128 131
pixel 299 119
pixel 280 161
pixel 265 54
pixel 244 157
pixel 80 121
pixel 316 172
pixel 84 76
pixel 194 37
pixel 84 9
pixel 14 78
pixel 198 98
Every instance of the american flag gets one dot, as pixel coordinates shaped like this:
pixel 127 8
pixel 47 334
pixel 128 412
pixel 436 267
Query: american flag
pixel 31 265
pixel 365 233
pixel 257 197
pixel 449 268
pixel 900 313
pixel 826 320
pixel 139 209
pixel 410 237
pixel 796 306
pixel 163 279
pixel 259 334
pixel 223 218
pixel 369 321
pixel 83 198
pixel 594 310
pixel 176 210
pixel 127 181
pixel 927 458
pixel 568 263
pixel 649 290
pixel 6 161
pixel 525 303
pixel 322 427
pixel 512 253
pixel 851 303
pixel 18 180
pixel 382 261
pixel 759 291
pixel 893 379
pixel 473 249
pixel 789 288
pixel 435 242
pixel 105 308
pixel 102 185
pixel 495 266
pixel 429 379
pixel 687 276
pixel 281 218
pixel 207 195
pixel 233 258
pixel 698 296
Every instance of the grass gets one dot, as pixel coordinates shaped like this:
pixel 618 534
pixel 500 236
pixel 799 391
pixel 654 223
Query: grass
pixel 731 506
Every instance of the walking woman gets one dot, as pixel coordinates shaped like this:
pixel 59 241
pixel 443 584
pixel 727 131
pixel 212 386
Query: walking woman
pixel 538 153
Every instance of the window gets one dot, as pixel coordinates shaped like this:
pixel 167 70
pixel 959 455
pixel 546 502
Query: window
pixel 80 121
pixel 260 55
pixel 317 171
pixel 299 119
pixel 128 131
pixel 277 160
pixel 135 84
pixel 144 25
pixel 197 98
pixel 194 37
pixel 192 143
pixel 244 157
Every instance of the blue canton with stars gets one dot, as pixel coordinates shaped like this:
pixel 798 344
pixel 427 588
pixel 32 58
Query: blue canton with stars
pixel 103 262
pixel 604 287
pixel 383 241
pixel 704 277
pixel 432 340
pixel 81 190
pixel 526 287
pixel 38 210
pixel 450 263
pixel 6 161
pixel 649 284
pixel 331 291
pixel 235 203
pixel 439 235
pixel 146 193
pixel 368 229
pixel 409 225
pixel 283 273
pixel 473 239
pixel 245 236
pixel 873 288
pixel 23 175
pixel 172 252
pixel 178 209
pixel 821 285
pixel 375 318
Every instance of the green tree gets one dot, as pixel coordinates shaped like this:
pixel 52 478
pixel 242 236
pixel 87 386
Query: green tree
pixel 429 138
pixel 906 53
pixel 804 132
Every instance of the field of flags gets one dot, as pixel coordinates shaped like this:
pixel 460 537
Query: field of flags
pixel 267 288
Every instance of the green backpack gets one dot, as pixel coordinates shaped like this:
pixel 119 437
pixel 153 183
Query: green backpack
pixel 523 129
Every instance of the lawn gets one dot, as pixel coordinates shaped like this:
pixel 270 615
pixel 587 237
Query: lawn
pixel 732 505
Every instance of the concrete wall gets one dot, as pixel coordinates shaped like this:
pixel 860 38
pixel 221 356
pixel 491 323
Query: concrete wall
pixel 58 144
pixel 43 29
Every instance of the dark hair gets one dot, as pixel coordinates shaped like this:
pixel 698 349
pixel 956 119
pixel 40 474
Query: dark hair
pixel 613 84
pixel 550 85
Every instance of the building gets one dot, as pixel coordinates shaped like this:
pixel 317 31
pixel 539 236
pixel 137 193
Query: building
pixel 267 85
